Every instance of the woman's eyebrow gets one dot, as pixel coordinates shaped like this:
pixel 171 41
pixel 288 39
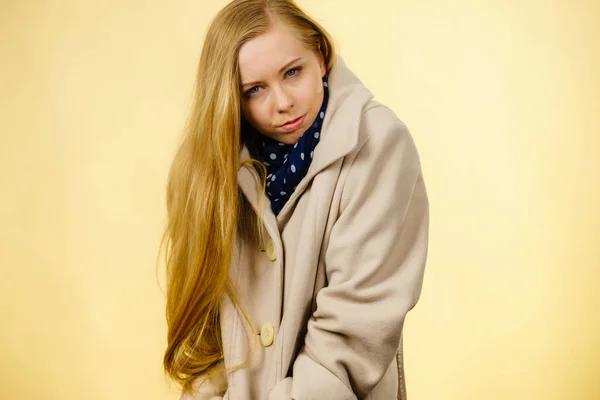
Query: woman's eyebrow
pixel 280 71
pixel 289 64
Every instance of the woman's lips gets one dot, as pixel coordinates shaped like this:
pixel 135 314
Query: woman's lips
pixel 294 124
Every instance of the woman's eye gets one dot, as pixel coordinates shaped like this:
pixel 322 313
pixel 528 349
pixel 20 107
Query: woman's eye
pixel 252 91
pixel 293 72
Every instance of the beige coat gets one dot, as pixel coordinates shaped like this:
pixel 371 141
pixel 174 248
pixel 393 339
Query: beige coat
pixel 343 265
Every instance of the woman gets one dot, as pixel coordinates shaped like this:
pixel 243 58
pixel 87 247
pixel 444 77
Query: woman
pixel 297 221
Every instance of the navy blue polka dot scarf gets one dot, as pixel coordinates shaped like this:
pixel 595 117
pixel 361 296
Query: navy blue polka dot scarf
pixel 286 164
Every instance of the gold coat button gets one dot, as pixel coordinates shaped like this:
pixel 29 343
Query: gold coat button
pixel 267 335
pixel 271 251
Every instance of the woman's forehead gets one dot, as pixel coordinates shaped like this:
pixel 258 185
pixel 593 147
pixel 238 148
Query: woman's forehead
pixel 267 54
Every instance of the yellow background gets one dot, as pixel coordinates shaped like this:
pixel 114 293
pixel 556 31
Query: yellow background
pixel 503 100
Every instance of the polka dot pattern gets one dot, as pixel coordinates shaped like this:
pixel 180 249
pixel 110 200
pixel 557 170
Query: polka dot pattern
pixel 282 176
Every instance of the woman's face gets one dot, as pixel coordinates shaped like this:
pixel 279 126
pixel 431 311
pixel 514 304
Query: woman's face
pixel 281 84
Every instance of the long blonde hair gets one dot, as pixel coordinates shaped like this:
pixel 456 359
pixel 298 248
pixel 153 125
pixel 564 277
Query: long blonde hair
pixel 205 209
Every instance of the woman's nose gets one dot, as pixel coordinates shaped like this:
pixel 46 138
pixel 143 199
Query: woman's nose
pixel 283 100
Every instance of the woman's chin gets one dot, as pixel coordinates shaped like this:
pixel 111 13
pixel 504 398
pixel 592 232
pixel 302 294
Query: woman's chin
pixel 289 138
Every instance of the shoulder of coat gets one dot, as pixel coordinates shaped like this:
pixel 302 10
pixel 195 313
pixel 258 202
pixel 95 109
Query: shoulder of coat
pixel 379 121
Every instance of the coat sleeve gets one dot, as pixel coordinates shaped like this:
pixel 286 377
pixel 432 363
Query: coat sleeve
pixel 374 264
